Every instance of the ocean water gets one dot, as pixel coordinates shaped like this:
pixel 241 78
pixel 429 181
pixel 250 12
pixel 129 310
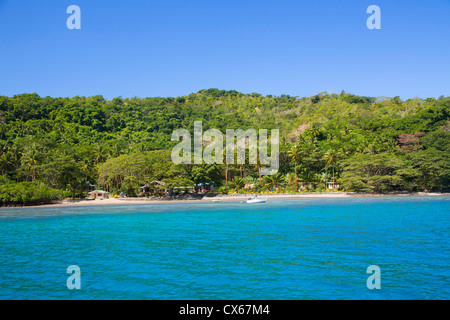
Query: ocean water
pixel 297 249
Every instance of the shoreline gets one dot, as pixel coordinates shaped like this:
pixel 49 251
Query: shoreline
pixel 226 198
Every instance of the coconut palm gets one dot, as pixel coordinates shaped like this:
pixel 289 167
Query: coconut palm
pixel 295 155
pixel 101 154
pixel 237 183
pixel 308 176
pixel 323 178
pixel 250 180
pixel 332 156
pixel 30 161
pixel 6 162
pixel 275 180
pixel 226 174
pixel 290 179
pixel 258 166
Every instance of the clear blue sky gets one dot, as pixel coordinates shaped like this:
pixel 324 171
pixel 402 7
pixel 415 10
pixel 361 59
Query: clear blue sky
pixel 176 47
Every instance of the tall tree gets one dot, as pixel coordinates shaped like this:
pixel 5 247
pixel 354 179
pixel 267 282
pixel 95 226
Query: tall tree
pixel 295 155
pixel 331 157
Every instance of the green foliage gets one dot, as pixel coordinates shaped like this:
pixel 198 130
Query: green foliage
pixel 237 183
pixel 129 172
pixel 121 144
pixel 432 167
pixel 26 193
pixel 377 173
pixel 274 181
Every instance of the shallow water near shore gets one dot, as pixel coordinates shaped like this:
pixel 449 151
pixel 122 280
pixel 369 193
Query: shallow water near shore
pixel 282 249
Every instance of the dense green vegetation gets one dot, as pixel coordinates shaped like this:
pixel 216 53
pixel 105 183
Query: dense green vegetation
pixel 361 143
pixel 26 193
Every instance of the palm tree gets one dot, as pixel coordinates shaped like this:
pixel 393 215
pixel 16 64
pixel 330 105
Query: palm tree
pixel 226 167
pixel 323 178
pixel 101 154
pixel 314 131
pixel 308 176
pixel 250 180
pixel 30 159
pixel 85 167
pixel 275 180
pixel 238 183
pixel 294 154
pixel 226 175
pixel 331 157
pixel 258 165
pixel 290 179
pixel 6 162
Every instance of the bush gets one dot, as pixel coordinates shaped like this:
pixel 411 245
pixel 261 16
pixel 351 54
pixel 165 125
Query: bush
pixel 27 193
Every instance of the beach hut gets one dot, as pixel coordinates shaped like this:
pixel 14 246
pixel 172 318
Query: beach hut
pixel 330 185
pixel 98 194
pixel 145 189
pixel 303 185
pixel 205 187
pixel 188 189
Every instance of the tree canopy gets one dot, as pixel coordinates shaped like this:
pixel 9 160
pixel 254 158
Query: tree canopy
pixel 363 143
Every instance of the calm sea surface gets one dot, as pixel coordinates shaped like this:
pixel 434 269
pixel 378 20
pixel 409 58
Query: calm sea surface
pixel 300 249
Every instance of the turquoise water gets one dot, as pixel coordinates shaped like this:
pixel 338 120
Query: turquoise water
pixel 302 249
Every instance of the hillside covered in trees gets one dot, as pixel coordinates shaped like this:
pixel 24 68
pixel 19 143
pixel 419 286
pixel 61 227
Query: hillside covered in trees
pixel 58 147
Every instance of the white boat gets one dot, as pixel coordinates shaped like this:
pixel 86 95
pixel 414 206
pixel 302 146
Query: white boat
pixel 256 200
pixel 217 200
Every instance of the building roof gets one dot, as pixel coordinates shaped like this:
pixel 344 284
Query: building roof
pixel 98 191
pixel 206 184
pixel 153 182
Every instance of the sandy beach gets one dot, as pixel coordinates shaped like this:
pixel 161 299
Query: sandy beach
pixel 231 198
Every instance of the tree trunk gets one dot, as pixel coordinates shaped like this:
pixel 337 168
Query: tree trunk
pixel 259 171
pixel 333 178
pixel 296 180
pixel 226 175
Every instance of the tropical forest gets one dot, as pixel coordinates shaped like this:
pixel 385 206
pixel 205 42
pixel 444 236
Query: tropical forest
pixel 56 148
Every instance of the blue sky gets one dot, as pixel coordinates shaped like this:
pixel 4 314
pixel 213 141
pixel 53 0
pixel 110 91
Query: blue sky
pixel 176 47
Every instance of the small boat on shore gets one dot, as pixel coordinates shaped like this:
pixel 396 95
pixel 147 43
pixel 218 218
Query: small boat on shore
pixel 256 200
